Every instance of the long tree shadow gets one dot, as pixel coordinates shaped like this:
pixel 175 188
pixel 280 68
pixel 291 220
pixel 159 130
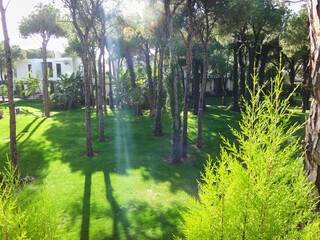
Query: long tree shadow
pixel 119 217
pixel 85 225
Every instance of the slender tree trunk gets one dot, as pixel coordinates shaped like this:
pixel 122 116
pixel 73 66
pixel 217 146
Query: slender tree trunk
pixel 45 78
pixel 155 80
pixel 149 74
pixel 235 94
pixel 111 103
pixel 311 141
pixel 202 93
pixel 242 76
pixel 196 87
pixel 100 96
pixel 250 71
pixel 292 75
pixel 157 131
pixel 13 140
pixel 95 85
pixel 176 119
pixel 137 107
pixel 306 82
pixel 189 59
pixel 87 79
pixel 104 83
pixel 264 55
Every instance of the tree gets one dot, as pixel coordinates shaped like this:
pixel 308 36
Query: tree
pixel 296 48
pixel 257 189
pixel 83 14
pixel 16 52
pixel 208 15
pixel 100 33
pixel 311 141
pixel 43 22
pixel 13 139
pixel 188 42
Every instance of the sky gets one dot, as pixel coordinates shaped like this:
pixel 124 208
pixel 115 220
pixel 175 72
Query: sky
pixel 18 9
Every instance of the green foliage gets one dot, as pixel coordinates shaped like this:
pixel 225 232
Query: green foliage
pixel 36 220
pixel 37 53
pixel 258 189
pixel 69 92
pixel 33 84
pixel 3 90
pixel 42 22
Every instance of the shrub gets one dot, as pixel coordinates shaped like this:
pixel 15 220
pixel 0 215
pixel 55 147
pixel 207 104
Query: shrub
pixel 69 93
pixel 21 219
pixel 258 189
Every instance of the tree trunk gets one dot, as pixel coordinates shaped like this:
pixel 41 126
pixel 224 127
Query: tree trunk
pixel 306 82
pixel 242 76
pixel 292 75
pixel 157 130
pixel 264 55
pixel 250 71
pixel 235 92
pixel 100 96
pixel 137 107
pixel 104 82
pixel 45 78
pixel 196 88
pixel 111 103
pixel 95 85
pixel 149 74
pixel 202 93
pixel 87 79
pixel 155 78
pixel 189 58
pixel 13 140
pixel 175 112
pixel 311 141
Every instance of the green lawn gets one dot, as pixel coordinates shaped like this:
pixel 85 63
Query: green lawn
pixel 127 191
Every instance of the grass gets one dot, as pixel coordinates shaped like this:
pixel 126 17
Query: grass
pixel 127 191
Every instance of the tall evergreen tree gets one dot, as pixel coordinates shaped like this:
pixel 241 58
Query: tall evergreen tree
pixel 43 22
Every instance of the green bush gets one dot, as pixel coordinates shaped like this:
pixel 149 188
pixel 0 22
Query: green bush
pixel 69 93
pixel 258 188
pixel 22 219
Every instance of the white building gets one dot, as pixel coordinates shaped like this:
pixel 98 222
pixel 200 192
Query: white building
pixel 57 66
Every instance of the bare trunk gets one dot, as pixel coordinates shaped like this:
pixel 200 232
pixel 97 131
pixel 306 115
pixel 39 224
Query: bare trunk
pixel 242 76
pixel 196 86
pixel 104 82
pixel 100 96
pixel 157 131
pixel 235 94
pixel 111 103
pixel 188 80
pixel 13 140
pixel 149 74
pixel 306 82
pixel 45 79
pixel 86 78
pixel 176 121
pixel 95 85
pixel 311 141
pixel 202 93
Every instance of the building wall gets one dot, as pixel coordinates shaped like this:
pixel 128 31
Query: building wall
pixel 68 66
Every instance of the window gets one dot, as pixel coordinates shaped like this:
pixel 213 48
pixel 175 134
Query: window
pixel 58 69
pixel 29 70
pixel 50 69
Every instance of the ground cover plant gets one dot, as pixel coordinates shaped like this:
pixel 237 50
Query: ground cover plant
pixel 127 191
